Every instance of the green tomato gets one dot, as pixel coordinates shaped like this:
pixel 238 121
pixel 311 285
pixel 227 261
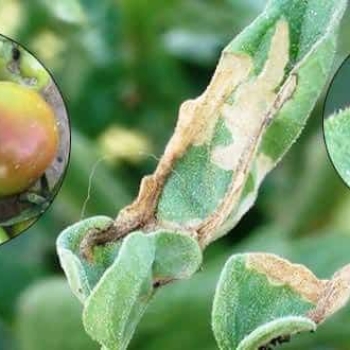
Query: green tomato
pixel 28 137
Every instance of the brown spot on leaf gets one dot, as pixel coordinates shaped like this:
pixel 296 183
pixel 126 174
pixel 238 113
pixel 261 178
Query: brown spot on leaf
pixel 328 296
pixel 334 296
pixel 282 272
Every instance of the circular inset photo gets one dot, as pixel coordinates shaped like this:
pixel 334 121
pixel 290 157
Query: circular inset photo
pixel 336 122
pixel 34 139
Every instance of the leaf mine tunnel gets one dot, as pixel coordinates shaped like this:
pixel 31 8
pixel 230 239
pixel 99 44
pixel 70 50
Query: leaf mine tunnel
pixel 263 90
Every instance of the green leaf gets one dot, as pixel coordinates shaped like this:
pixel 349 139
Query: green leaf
pixel 337 135
pixel 82 276
pixel 117 303
pixel 118 284
pixel 177 256
pixel 261 299
pixel 276 331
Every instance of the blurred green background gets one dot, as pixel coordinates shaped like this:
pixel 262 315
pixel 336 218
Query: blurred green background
pixel 124 67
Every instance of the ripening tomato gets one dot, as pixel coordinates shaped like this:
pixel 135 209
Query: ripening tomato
pixel 28 137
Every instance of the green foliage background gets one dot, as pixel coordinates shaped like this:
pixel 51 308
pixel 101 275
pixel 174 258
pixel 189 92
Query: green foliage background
pixel 124 67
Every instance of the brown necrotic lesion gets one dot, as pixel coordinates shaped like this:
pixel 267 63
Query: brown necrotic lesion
pixel 256 101
pixel 253 101
pixel 327 296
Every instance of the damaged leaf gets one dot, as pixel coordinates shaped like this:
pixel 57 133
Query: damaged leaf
pixel 261 298
pixel 117 303
pixel 263 90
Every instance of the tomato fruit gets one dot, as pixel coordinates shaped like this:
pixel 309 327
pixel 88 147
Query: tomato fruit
pixel 28 137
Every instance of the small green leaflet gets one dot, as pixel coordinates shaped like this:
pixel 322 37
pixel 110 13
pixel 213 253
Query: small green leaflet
pixel 337 136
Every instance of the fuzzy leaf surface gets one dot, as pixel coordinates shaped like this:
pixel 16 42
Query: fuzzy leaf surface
pixel 337 135
pixel 117 286
pixel 261 299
